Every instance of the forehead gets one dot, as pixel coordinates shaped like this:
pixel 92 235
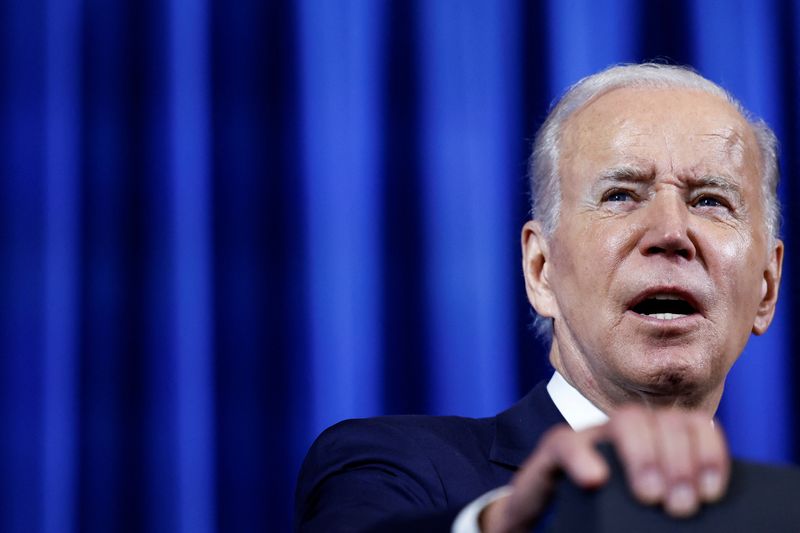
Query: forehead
pixel 680 130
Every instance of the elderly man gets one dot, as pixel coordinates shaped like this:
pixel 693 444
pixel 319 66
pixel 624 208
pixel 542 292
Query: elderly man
pixel 652 255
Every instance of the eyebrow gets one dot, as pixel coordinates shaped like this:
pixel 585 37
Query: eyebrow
pixel 633 174
pixel 623 174
pixel 717 182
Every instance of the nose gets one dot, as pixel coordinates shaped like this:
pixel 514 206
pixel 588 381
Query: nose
pixel 667 229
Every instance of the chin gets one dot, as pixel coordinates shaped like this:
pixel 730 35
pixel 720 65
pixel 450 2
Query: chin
pixel 674 381
pixel 678 394
pixel 671 382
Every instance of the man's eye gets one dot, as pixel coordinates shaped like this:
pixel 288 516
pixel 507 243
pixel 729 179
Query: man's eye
pixel 618 196
pixel 708 201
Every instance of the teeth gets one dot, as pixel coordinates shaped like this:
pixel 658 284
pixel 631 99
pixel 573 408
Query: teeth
pixel 666 316
pixel 665 297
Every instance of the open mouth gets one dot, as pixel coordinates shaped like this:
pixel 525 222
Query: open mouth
pixel 664 307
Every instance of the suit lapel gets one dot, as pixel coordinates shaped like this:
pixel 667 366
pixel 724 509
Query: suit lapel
pixel 519 428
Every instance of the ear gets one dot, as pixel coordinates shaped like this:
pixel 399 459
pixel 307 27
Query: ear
pixel 536 268
pixel 769 289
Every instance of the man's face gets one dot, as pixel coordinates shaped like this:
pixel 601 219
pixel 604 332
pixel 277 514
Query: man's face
pixel 660 265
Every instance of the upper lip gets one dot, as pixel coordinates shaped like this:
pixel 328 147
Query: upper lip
pixel 680 292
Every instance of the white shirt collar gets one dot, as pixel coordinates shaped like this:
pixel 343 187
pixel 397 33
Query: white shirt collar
pixel 579 412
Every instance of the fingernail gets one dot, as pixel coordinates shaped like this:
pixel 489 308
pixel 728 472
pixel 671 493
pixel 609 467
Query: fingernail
pixel 651 485
pixel 682 500
pixel 710 484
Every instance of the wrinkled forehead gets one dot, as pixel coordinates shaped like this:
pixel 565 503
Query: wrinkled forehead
pixel 682 129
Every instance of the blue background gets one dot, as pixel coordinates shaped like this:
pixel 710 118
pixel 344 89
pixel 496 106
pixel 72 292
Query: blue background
pixel 227 225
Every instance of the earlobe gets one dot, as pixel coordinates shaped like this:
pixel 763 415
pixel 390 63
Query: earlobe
pixel 536 268
pixel 769 290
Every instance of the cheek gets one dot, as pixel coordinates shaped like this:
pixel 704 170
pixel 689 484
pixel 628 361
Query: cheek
pixel 605 247
pixel 739 277
pixel 568 277
pixel 586 268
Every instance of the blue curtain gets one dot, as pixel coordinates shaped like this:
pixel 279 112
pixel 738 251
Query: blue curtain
pixel 227 225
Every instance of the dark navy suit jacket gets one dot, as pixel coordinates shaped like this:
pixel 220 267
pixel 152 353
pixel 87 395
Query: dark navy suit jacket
pixel 402 472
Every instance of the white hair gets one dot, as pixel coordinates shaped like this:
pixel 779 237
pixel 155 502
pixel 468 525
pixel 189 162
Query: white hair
pixel 544 176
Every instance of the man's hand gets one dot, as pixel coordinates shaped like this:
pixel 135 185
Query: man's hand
pixel 674 458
